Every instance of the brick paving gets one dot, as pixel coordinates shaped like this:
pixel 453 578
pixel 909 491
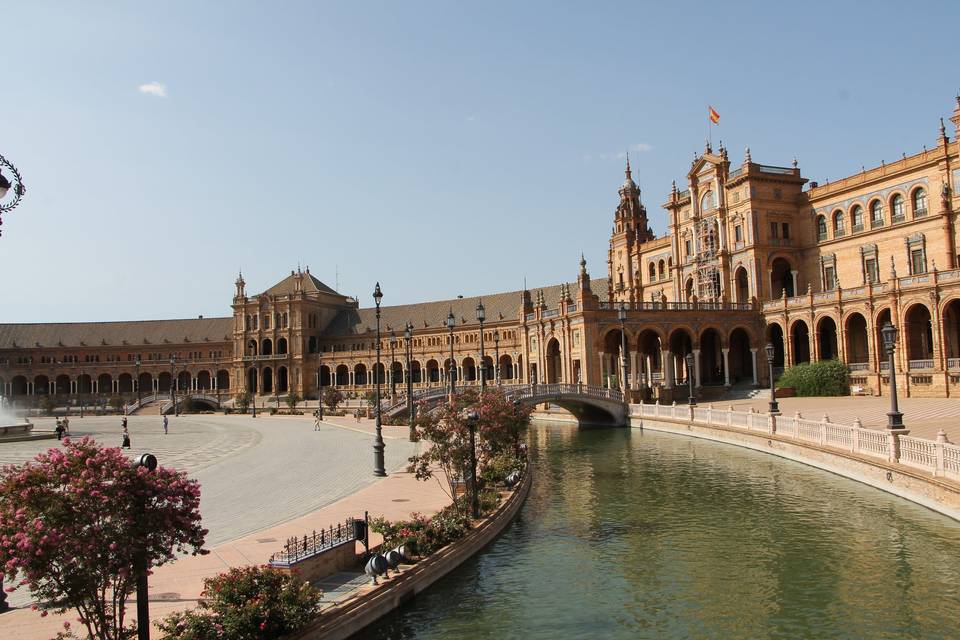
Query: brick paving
pixel 254 473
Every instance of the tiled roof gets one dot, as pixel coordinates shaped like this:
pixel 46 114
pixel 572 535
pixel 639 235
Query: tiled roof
pixel 288 285
pixel 96 334
pixel 433 315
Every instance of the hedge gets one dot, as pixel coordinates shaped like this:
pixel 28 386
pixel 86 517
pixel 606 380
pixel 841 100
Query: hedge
pixel 825 378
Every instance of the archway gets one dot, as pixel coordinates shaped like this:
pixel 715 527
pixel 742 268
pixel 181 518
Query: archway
pixel 61 384
pixel 827 338
pixel 324 376
pixel 487 370
pixel 680 343
pixel 919 336
pixel 688 290
pixel 469 369
pixel 433 371
pixel 649 348
pixel 506 367
pixel 19 385
pixel 104 383
pixel 612 362
pixel 183 381
pixel 266 380
pixel 800 342
pixel 450 370
pixel 41 385
pixel 378 373
pixel 711 358
pixel 267 348
pixel 223 380
pixel 282 382
pixel 742 285
pixel 203 381
pixel 125 383
pixel 858 347
pixel 281 346
pixel 396 375
pixel 360 375
pixel 145 383
pixel 740 356
pixel 343 375
pixel 775 337
pixel 553 363
pixel 951 331
pixel 781 278
pixel 163 382
pixel 84 383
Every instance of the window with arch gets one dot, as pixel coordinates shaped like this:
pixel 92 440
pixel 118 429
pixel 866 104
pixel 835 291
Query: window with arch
pixel 919 203
pixel 266 321
pixel 821 228
pixel 653 272
pixel 838 230
pixel 876 214
pixel 856 218
pixel 896 207
pixel 707 202
pixel 662 269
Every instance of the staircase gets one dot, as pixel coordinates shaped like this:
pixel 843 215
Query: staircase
pixel 746 391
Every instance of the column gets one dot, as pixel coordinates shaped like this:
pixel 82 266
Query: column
pixel 753 359
pixel 603 367
pixel 773 293
pixel 648 374
pixel 796 286
pixel 667 360
pixel 726 367
pixel 696 368
pixel 634 370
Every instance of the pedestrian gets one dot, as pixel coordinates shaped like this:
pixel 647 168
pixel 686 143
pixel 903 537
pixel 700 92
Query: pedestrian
pixel 66 425
pixel 357 414
pixel 124 423
pixel 316 420
pixel 165 424
pixel 320 413
pixel 126 437
pixel 59 429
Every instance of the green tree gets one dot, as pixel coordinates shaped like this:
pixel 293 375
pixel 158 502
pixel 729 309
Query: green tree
pixel 332 397
pixel 292 400
pixel 243 401
pixel 824 378
pixel 47 405
pixel 116 403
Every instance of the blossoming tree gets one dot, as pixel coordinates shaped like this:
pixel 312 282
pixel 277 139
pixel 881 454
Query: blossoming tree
pixel 73 521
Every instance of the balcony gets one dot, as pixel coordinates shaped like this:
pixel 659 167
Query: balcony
pixel 953 364
pixel 920 365
pixel 919 213
pixel 876 224
pixel 858 366
pixel 839 233
pixel 857 228
pixel 822 237
pixel 899 218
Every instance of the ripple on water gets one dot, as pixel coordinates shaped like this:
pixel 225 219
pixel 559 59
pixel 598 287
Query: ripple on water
pixel 642 535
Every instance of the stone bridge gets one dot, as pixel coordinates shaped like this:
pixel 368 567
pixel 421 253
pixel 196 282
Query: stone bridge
pixel 166 404
pixel 592 405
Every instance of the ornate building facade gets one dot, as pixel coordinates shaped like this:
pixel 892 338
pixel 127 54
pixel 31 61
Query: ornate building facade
pixel 754 254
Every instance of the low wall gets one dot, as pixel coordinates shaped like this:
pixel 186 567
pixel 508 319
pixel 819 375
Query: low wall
pixel 935 493
pixel 341 557
pixel 352 616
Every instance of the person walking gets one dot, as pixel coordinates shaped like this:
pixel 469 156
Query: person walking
pixel 66 425
pixel 59 429
pixel 126 436
pixel 165 420
pixel 316 420
pixel 356 414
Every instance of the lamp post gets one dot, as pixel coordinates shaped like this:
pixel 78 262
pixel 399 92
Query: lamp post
pixel 496 354
pixel 80 391
pixel 6 185
pixel 691 400
pixel 141 562
pixel 894 417
pixel 408 336
pixel 622 316
pixel 137 364
pixel 173 363
pixel 378 465
pixel 393 382
pixel 774 406
pixel 472 418
pixel 451 321
pixel 481 316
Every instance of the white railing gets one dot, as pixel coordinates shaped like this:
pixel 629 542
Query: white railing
pixel 917 365
pixel 939 458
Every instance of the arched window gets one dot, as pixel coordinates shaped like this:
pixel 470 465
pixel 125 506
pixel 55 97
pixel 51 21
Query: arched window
pixel 919 203
pixel 837 223
pixel 707 202
pixel 653 272
pixel 661 269
pixel 821 228
pixel 856 218
pixel 896 206
pixel 266 321
pixel 876 214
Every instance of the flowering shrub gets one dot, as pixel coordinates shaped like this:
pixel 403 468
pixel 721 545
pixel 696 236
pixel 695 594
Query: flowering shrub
pixel 251 603
pixel 424 534
pixel 73 521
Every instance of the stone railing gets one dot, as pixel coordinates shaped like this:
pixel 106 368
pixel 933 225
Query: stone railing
pixel 937 457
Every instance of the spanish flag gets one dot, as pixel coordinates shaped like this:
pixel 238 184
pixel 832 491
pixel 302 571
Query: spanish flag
pixel 714 116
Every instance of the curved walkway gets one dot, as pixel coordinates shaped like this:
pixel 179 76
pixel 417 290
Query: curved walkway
pixel 254 475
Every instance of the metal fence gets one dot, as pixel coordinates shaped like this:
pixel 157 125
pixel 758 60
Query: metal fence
pixel 297 549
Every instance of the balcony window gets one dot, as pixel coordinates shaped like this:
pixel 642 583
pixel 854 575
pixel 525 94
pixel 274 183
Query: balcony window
pixel 896 206
pixel 838 230
pixel 856 218
pixel 919 203
pixel 876 214
pixel 821 228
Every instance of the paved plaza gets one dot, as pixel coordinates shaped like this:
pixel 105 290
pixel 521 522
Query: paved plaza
pixel 254 473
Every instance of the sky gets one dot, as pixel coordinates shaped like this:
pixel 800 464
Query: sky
pixel 440 148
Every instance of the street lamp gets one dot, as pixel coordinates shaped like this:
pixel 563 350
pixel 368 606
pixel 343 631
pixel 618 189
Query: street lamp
pixel 481 316
pixel 774 406
pixel 894 417
pixel 496 349
pixel 472 419
pixel 451 322
pixel 408 335
pixel 692 400
pixel 378 465
pixel 622 316
pixel 173 398
pixel 393 382
pixel 137 364
pixel 141 562
pixel 80 391
pixel 6 185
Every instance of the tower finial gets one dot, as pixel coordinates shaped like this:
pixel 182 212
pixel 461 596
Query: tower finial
pixel 746 157
pixel 943 130
pixel 796 162
pixel 628 164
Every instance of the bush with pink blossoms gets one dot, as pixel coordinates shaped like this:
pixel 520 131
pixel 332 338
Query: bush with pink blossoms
pixel 73 521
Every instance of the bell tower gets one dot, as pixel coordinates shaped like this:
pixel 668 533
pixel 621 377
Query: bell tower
pixel 630 229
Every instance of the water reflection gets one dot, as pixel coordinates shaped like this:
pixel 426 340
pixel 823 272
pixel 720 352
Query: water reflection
pixel 631 534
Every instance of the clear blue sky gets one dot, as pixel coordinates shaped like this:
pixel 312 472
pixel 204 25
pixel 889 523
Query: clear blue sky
pixel 440 148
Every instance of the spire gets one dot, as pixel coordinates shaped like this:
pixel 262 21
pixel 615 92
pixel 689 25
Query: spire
pixel 943 130
pixel 746 157
pixel 796 162
pixel 628 161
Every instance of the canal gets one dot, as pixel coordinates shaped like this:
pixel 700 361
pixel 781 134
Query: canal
pixel 630 534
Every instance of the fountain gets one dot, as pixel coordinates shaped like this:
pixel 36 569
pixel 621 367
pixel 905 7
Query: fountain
pixel 13 427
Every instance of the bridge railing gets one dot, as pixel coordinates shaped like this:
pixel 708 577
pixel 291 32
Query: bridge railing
pixel 166 404
pixel 938 457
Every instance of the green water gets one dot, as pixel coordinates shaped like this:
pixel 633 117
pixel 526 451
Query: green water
pixel 631 534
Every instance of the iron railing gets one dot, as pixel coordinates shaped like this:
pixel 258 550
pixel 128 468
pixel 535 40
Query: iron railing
pixel 296 549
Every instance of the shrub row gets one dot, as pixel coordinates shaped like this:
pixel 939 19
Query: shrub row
pixel 824 378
